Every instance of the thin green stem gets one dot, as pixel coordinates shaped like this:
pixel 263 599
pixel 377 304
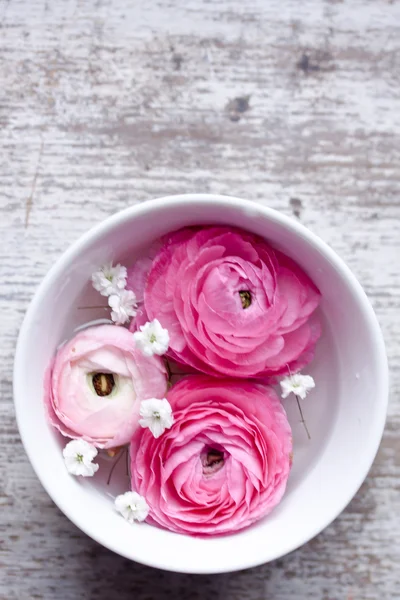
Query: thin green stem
pixel 127 462
pixel 168 371
pixel 302 418
pixel 121 453
pixel 85 307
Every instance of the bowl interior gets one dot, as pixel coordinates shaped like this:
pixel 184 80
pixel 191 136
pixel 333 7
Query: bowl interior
pixel 347 405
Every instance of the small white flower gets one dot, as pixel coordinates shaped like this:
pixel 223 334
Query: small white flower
pixel 123 306
pixel 157 415
pixel 297 384
pixel 132 506
pixel 109 280
pixel 78 456
pixel 152 338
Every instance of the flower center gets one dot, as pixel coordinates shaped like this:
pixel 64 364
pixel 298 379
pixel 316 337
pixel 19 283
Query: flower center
pixel 79 458
pixel 212 461
pixel 245 297
pixel 153 338
pixel 103 383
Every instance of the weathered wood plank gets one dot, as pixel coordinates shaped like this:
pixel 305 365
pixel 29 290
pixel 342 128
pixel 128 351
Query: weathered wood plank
pixel 108 103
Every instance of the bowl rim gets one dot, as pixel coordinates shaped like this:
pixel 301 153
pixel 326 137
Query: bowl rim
pixel 148 207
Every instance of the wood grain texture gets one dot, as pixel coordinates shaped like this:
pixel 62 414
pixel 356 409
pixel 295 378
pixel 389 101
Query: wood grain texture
pixel 107 103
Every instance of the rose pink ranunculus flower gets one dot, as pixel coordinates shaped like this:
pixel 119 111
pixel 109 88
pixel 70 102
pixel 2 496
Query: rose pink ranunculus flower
pixel 232 304
pixel 95 384
pixel 222 465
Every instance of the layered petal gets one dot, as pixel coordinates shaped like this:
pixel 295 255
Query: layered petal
pixel 232 304
pixel 222 465
pixel 95 384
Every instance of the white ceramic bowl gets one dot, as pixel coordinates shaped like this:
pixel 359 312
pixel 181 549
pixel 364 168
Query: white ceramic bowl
pixel 345 413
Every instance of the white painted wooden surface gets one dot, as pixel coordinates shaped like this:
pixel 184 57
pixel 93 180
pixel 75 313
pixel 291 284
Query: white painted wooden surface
pixel 110 102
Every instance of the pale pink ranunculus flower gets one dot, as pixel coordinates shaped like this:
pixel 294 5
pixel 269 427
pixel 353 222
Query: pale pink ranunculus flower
pixel 222 465
pixel 95 384
pixel 232 304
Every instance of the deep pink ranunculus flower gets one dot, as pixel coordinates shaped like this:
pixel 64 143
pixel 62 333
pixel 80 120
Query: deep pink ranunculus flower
pixel 232 304
pixel 95 384
pixel 222 465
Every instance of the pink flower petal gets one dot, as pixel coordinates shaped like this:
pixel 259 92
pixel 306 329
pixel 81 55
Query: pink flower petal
pixel 247 425
pixel 193 290
pixel 71 404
